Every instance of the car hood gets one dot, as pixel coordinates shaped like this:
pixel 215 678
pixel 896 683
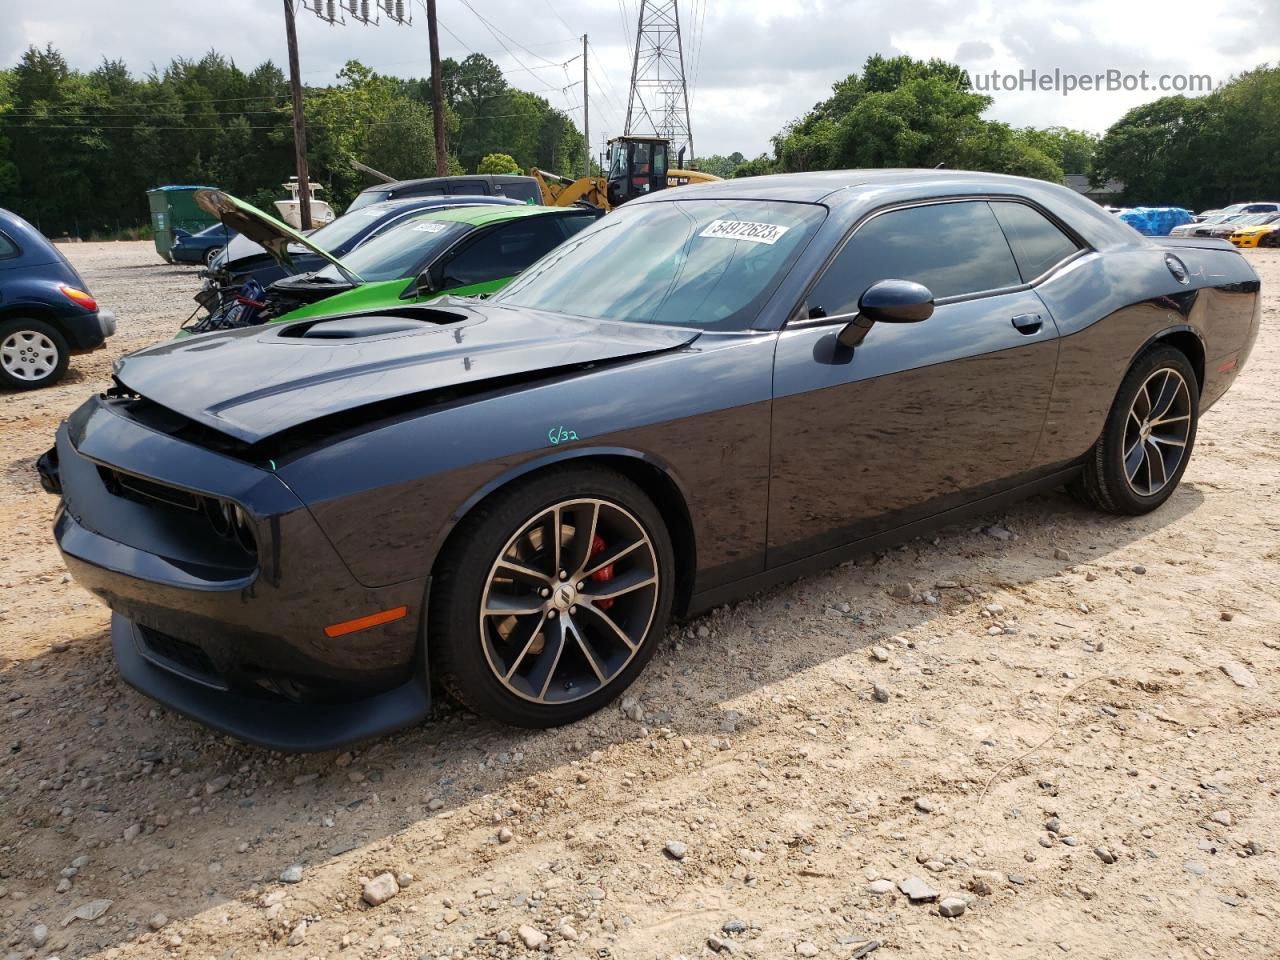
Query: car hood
pixel 271 234
pixel 254 383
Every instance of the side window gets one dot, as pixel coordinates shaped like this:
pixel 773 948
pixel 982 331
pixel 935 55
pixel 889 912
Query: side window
pixel 952 248
pixel 1037 244
pixel 503 252
pixel 469 187
pixel 574 222
pixel 523 191
pixel 8 249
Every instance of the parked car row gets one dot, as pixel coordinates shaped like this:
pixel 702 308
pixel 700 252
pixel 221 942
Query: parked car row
pixel 303 528
pixel 421 249
pixel 1253 227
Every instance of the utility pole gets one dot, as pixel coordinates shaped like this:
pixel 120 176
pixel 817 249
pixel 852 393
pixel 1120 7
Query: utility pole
pixel 437 93
pixel 586 120
pixel 299 125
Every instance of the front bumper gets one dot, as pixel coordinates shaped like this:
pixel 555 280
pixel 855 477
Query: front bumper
pixel 291 727
pixel 232 636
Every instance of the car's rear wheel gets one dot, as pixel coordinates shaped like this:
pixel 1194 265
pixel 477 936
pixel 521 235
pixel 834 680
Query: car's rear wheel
pixel 551 597
pixel 32 354
pixel 1138 461
pixel 210 254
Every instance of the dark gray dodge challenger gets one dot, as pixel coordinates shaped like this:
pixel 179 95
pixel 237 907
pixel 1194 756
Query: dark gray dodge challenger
pixel 301 528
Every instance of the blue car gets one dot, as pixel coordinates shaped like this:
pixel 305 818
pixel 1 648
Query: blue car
pixel 46 311
pixel 200 247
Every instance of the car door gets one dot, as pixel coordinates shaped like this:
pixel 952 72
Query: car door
pixel 919 417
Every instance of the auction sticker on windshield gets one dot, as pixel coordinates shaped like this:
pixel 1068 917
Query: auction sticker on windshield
pixel 744 230
pixel 431 226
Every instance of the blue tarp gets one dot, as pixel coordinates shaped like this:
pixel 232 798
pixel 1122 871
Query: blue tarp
pixel 1155 221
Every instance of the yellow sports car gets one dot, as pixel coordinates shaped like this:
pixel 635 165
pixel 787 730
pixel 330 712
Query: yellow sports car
pixel 1257 235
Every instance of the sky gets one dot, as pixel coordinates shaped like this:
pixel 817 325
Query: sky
pixel 752 66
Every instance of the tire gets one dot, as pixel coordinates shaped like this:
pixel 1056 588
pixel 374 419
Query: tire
pixel 33 354
pixel 557 660
pixel 1163 378
pixel 210 254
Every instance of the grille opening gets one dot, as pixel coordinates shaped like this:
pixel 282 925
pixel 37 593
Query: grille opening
pixel 181 657
pixel 142 490
pixel 225 519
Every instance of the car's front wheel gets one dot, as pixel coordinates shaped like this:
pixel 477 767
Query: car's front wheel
pixel 1138 461
pixel 551 597
pixel 32 354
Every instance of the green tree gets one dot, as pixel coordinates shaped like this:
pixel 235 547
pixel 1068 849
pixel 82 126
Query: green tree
pixel 1072 150
pixel 908 113
pixel 498 163
pixel 721 166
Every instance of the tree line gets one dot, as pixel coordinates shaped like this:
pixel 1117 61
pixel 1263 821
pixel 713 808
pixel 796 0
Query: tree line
pixel 1193 152
pixel 79 149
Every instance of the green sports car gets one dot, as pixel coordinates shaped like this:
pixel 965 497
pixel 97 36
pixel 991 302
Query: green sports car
pixel 460 251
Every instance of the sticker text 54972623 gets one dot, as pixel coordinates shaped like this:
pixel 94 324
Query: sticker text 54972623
pixel 744 230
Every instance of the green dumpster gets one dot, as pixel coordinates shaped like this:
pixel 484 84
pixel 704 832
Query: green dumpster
pixel 174 208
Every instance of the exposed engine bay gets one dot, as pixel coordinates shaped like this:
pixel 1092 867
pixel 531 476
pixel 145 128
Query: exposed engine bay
pixel 228 305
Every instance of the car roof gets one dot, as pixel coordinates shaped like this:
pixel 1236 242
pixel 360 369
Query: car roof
pixel 479 215
pixel 399 204
pixel 20 231
pixel 489 178
pixel 851 193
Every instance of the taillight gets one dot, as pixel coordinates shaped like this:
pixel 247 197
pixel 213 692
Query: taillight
pixel 79 297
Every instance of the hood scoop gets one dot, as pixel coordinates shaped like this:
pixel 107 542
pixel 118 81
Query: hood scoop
pixel 384 323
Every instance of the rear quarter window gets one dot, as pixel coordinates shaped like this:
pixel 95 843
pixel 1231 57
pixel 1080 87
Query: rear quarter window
pixel 8 249
pixel 1038 244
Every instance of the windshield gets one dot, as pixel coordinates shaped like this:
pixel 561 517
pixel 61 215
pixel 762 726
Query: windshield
pixel 705 263
pixel 400 252
pixel 337 236
pixel 366 197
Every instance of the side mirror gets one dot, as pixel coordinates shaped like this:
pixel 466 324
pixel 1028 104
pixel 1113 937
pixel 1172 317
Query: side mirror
pixel 888 301
pixel 431 280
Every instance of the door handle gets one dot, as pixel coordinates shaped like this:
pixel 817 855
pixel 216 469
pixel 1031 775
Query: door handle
pixel 1028 323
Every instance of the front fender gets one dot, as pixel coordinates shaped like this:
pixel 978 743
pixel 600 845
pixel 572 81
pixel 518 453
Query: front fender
pixel 389 495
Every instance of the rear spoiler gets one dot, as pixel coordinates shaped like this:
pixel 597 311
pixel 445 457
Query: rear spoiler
pixel 1197 243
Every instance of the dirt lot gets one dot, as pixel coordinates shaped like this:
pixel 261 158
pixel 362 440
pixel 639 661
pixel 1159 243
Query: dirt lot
pixel 1070 675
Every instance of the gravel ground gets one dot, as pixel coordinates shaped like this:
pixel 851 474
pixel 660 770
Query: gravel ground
pixel 1071 742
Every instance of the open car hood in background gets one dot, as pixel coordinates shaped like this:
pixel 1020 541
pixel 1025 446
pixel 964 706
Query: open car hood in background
pixel 274 236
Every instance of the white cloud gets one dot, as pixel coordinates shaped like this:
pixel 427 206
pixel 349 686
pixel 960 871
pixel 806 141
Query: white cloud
pixel 758 64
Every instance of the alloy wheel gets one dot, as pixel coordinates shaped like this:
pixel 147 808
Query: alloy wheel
pixel 1156 432
pixel 28 355
pixel 569 601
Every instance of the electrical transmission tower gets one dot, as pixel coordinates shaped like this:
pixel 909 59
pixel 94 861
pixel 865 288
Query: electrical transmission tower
pixel 659 98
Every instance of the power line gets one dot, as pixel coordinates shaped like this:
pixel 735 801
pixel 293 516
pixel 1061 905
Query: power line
pixel 25 125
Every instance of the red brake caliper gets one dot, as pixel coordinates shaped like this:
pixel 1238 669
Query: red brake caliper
pixel 604 574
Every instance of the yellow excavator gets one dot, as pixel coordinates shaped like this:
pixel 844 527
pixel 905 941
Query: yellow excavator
pixel 637 165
